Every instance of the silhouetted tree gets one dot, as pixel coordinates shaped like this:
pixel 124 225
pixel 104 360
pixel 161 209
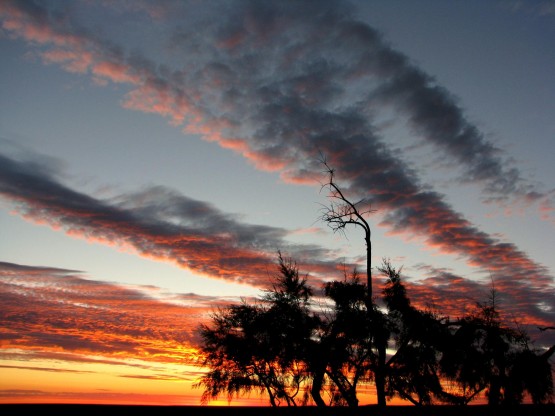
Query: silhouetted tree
pixel 290 326
pixel 345 338
pixel 234 355
pixel 399 347
pixel 283 346
pixel 261 346
pixel 486 355
pixel 530 371
pixel 413 368
pixel 415 342
pixel 342 212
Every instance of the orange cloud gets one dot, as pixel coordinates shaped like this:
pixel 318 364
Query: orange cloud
pixel 52 311
pixel 115 72
pixel 70 60
pixel 206 241
pixel 274 119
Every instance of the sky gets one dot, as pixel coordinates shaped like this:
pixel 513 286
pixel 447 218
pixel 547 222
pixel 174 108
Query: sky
pixel 156 156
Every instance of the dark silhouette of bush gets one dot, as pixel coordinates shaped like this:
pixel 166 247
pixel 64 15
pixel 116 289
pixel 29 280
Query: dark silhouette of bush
pixel 261 347
pixel 484 354
pixel 300 352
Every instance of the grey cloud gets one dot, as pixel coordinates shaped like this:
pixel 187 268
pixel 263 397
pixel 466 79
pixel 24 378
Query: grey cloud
pixel 157 222
pixel 292 81
pixel 12 268
pixel 291 56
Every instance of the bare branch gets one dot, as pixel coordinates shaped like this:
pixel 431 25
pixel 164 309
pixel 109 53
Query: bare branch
pixel 341 212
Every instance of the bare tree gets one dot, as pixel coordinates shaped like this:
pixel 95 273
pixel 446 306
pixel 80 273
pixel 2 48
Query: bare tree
pixel 338 214
pixel 341 212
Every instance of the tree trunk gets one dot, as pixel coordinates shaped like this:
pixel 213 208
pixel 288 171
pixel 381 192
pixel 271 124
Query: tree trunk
pixel 494 394
pixel 317 380
pixel 497 381
pixel 348 392
pixel 369 266
pixel 379 374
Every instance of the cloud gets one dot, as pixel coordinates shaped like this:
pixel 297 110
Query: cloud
pixel 450 295
pixel 156 223
pixel 50 370
pixel 102 397
pixel 264 76
pixel 50 311
pixel 542 8
pixel 56 314
pixel 161 224
pixel 280 83
pixel 263 79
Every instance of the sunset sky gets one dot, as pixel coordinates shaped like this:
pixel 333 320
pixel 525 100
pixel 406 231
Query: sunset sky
pixel 155 156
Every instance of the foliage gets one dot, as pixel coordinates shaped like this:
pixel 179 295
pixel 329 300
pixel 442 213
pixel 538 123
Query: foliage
pixel 345 341
pixel 260 347
pixel 418 336
pixel 486 355
pixel 284 346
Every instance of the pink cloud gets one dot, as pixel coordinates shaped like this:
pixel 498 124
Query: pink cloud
pixel 48 310
pixel 70 60
pixel 264 115
pixel 115 72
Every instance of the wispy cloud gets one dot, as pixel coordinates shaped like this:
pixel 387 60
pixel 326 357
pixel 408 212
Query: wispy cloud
pixel 242 82
pixel 11 396
pixel 537 8
pixel 156 223
pixel 452 295
pixel 46 311
pixel 279 82
pixel 243 86
pixel 57 314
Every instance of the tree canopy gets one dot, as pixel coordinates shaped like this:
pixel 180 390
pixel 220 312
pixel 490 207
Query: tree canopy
pixel 301 346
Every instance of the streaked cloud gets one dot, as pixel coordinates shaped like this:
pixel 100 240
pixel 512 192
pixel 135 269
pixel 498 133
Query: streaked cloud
pixel 156 223
pixel 229 90
pixel 281 120
pixel 56 315
pixel 50 311
pixel 235 78
pixel 161 224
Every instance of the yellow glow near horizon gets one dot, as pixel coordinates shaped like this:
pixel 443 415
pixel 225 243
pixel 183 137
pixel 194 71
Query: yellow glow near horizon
pixel 131 383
